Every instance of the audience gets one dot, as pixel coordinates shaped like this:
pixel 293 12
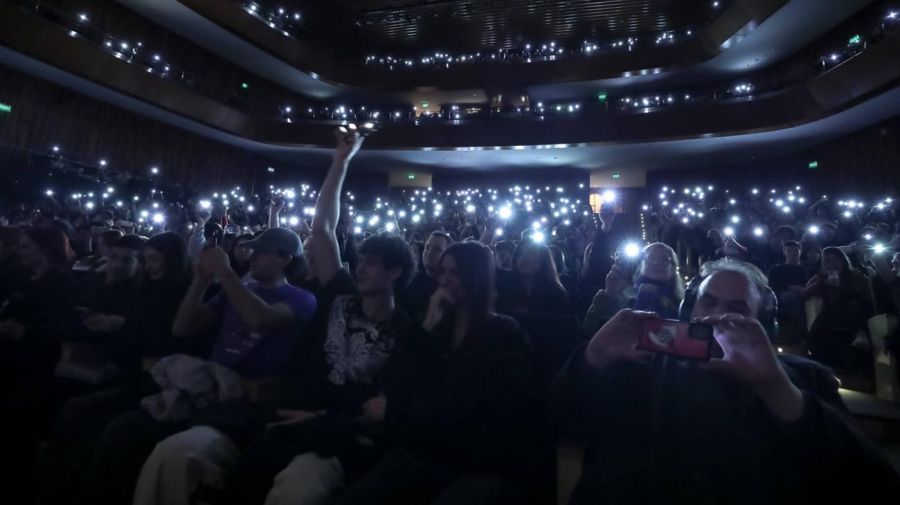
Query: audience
pixel 664 429
pixel 654 287
pixel 847 305
pixel 533 284
pixel 225 359
pixel 457 402
pixel 788 281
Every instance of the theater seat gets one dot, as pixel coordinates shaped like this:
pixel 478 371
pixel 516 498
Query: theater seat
pixel 878 418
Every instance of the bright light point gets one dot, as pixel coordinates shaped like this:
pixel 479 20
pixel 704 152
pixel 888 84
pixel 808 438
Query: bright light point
pixel 536 225
pixel 755 191
pixel 290 194
pixel 878 248
pixel 357 230
pixel 119 203
pixel 867 236
pixel 389 226
pixel 294 220
pixel 505 212
pixel 373 220
pixel 609 196
pixel 360 219
pixel 729 232
pixel 498 232
pixel 814 229
pixel 470 209
pixel 89 205
pixel 847 213
pixel 786 209
pixel 416 218
pixel 758 231
pixel 735 219
pixel 49 192
pixel 538 237
pixel 154 170
pixel 732 201
pixel 632 250
pixel 158 218
pixel 685 220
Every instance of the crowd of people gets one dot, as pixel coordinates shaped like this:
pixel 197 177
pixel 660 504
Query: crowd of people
pixel 399 354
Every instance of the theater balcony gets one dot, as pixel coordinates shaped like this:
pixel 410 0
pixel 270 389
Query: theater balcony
pixel 529 114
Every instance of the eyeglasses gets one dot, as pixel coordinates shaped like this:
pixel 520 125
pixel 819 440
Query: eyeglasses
pixel 659 260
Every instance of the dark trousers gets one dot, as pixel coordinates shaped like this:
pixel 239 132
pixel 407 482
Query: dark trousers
pixel 400 478
pixel 120 454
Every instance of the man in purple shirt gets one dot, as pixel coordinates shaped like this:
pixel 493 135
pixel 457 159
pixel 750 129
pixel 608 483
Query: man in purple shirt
pixel 260 327
pixel 260 319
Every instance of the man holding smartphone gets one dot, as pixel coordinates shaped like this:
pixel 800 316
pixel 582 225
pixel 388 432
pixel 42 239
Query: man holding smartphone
pixel 747 426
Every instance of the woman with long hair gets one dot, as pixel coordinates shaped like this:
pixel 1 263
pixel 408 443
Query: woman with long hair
pixel 846 307
pixel 654 287
pixel 533 284
pixel 147 330
pixel 38 306
pixel 458 396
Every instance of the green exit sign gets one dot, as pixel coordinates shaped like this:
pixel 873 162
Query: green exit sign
pixel 5 107
pixel 813 165
pixel 856 39
pixel 411 176
pixel 616 175
pixel 244 85
pixel 601 96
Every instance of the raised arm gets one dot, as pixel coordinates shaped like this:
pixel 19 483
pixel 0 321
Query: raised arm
pixel 323 245
pixel 275 208
pixel 254 311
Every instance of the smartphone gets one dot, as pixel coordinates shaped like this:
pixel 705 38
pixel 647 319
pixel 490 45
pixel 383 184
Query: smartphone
pixel 677 338
pixel 364 129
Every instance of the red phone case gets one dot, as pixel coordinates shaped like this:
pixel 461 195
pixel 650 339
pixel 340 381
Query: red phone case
pixel 672 337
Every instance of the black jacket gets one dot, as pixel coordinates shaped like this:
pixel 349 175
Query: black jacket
pixel 468 409
pixel 669 432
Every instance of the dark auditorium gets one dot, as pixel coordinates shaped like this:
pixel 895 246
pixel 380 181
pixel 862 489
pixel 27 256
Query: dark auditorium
pixel 450 252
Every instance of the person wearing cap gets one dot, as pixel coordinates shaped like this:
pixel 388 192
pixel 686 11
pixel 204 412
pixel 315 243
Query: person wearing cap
pixel 259 325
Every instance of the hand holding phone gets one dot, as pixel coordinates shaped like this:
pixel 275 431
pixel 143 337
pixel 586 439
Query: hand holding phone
pixel 677 338
pixel 617 340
